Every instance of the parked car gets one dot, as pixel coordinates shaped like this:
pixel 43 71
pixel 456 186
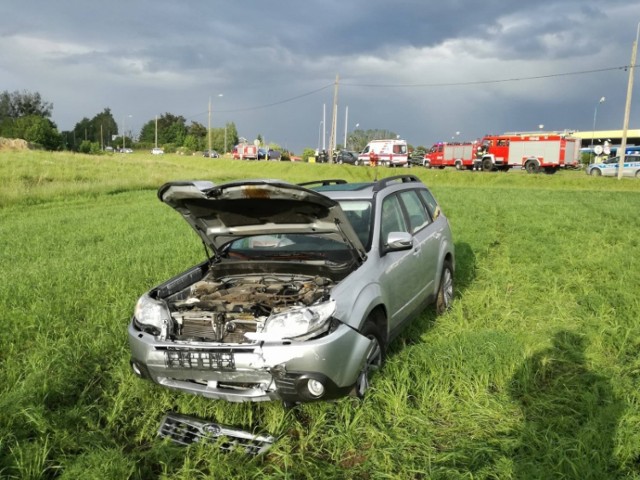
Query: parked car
pixel 269 154
pixel 157 151
pixel 345 156
pixel 609 167
pixel 304 288
pixel 212 154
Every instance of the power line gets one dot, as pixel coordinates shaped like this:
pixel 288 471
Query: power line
pixel 268 105
pixel 417 85
pixel 482 82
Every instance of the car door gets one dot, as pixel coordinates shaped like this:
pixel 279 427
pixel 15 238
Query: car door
pixel 426 237
pixel 403 272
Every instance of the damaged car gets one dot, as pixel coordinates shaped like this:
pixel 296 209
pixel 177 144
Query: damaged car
pixel 303 288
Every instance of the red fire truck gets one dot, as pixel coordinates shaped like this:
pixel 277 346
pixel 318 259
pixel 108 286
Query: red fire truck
pixel 243 151
pixel 459 155
pixel 532 151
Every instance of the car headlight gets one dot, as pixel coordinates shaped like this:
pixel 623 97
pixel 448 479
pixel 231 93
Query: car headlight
pixel 152 316
pixel 301 323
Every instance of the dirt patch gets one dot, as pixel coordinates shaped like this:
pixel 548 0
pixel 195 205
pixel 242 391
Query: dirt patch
pixel 13 144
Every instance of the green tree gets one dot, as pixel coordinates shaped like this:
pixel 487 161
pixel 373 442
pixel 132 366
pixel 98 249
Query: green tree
pixel 99 129
pixel 38 130
pixel 192 142
pixel 171 129
pixel 26 115
pixel 358 139
pixel 22 104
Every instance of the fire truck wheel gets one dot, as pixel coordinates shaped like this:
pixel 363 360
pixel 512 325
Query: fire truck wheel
pixel 532 166
pixel 458 166
pixel 550 170
pixel 487 165
pixel 427 164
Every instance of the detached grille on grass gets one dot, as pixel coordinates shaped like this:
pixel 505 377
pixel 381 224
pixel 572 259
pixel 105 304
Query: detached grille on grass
pixel 185 430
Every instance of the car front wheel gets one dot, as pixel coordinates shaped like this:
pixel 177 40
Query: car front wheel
pixel 375 357
pixel 595 172
pixel 445 291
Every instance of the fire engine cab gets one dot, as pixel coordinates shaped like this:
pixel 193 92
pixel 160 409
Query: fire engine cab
pixel 459 155
pixel 533 152
pixel 243 151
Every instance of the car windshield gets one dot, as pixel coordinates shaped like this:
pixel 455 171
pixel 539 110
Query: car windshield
pixel 358 212
pixel 290 247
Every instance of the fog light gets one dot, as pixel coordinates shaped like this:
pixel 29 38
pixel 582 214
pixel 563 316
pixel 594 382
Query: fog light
pixel 316 389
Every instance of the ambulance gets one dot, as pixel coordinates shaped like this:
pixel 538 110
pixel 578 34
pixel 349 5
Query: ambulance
pixel 389 153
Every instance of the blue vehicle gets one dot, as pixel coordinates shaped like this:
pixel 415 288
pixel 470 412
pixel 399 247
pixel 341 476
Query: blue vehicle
pixel 609 168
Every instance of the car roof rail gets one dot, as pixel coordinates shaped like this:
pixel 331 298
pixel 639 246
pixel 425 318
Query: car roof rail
pixel 384 182
pixel 323 183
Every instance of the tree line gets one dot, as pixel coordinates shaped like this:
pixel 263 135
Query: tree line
pixel 26 115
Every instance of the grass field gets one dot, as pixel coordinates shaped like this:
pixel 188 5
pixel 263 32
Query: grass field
pixel 534 373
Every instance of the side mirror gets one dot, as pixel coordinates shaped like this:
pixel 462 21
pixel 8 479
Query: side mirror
pixel 398 241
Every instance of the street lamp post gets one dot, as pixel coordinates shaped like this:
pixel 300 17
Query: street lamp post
pixel 319 134
pixel 124 132
pixel 627 109
pixel 593 132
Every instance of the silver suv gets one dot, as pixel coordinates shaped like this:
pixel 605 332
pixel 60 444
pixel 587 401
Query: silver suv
pixel 304 287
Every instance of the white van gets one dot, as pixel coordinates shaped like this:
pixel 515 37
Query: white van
pixel 390 153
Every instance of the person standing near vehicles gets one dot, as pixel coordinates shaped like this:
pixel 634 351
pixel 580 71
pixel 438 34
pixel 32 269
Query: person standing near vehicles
pixel 373 158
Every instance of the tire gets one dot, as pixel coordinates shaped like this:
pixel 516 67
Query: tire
pixel 427 164
pixel 340 162
pixel 550 170
pixel 638 174
pixel 444 298
pixel 487 165
pixel 458 166
pixel 532 166
pixel 375 357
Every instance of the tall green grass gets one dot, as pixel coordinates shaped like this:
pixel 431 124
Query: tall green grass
pixel 532 374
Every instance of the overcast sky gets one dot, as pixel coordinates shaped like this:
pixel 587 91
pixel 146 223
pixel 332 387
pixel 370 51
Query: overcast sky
pixel 422 69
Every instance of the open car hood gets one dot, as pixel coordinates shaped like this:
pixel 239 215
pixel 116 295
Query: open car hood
pixel 223 213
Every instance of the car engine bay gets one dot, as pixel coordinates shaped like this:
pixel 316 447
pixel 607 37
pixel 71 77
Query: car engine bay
pixel 222 310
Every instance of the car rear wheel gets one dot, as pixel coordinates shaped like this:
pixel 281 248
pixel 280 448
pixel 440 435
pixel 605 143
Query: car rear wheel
pixel 375 357
pixel 444 298
pixel 595 172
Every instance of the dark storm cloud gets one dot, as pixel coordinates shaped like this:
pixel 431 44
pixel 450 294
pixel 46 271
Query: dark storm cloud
pixel 147 57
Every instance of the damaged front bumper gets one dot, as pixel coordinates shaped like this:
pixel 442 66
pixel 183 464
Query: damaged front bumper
pixel 292 371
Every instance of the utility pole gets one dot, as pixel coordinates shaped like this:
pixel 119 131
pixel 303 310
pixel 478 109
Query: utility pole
pixel 627 109
pixel 324 126
pixel 346 122
pixel 156 131
pixel 209 127
pixel 334 121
